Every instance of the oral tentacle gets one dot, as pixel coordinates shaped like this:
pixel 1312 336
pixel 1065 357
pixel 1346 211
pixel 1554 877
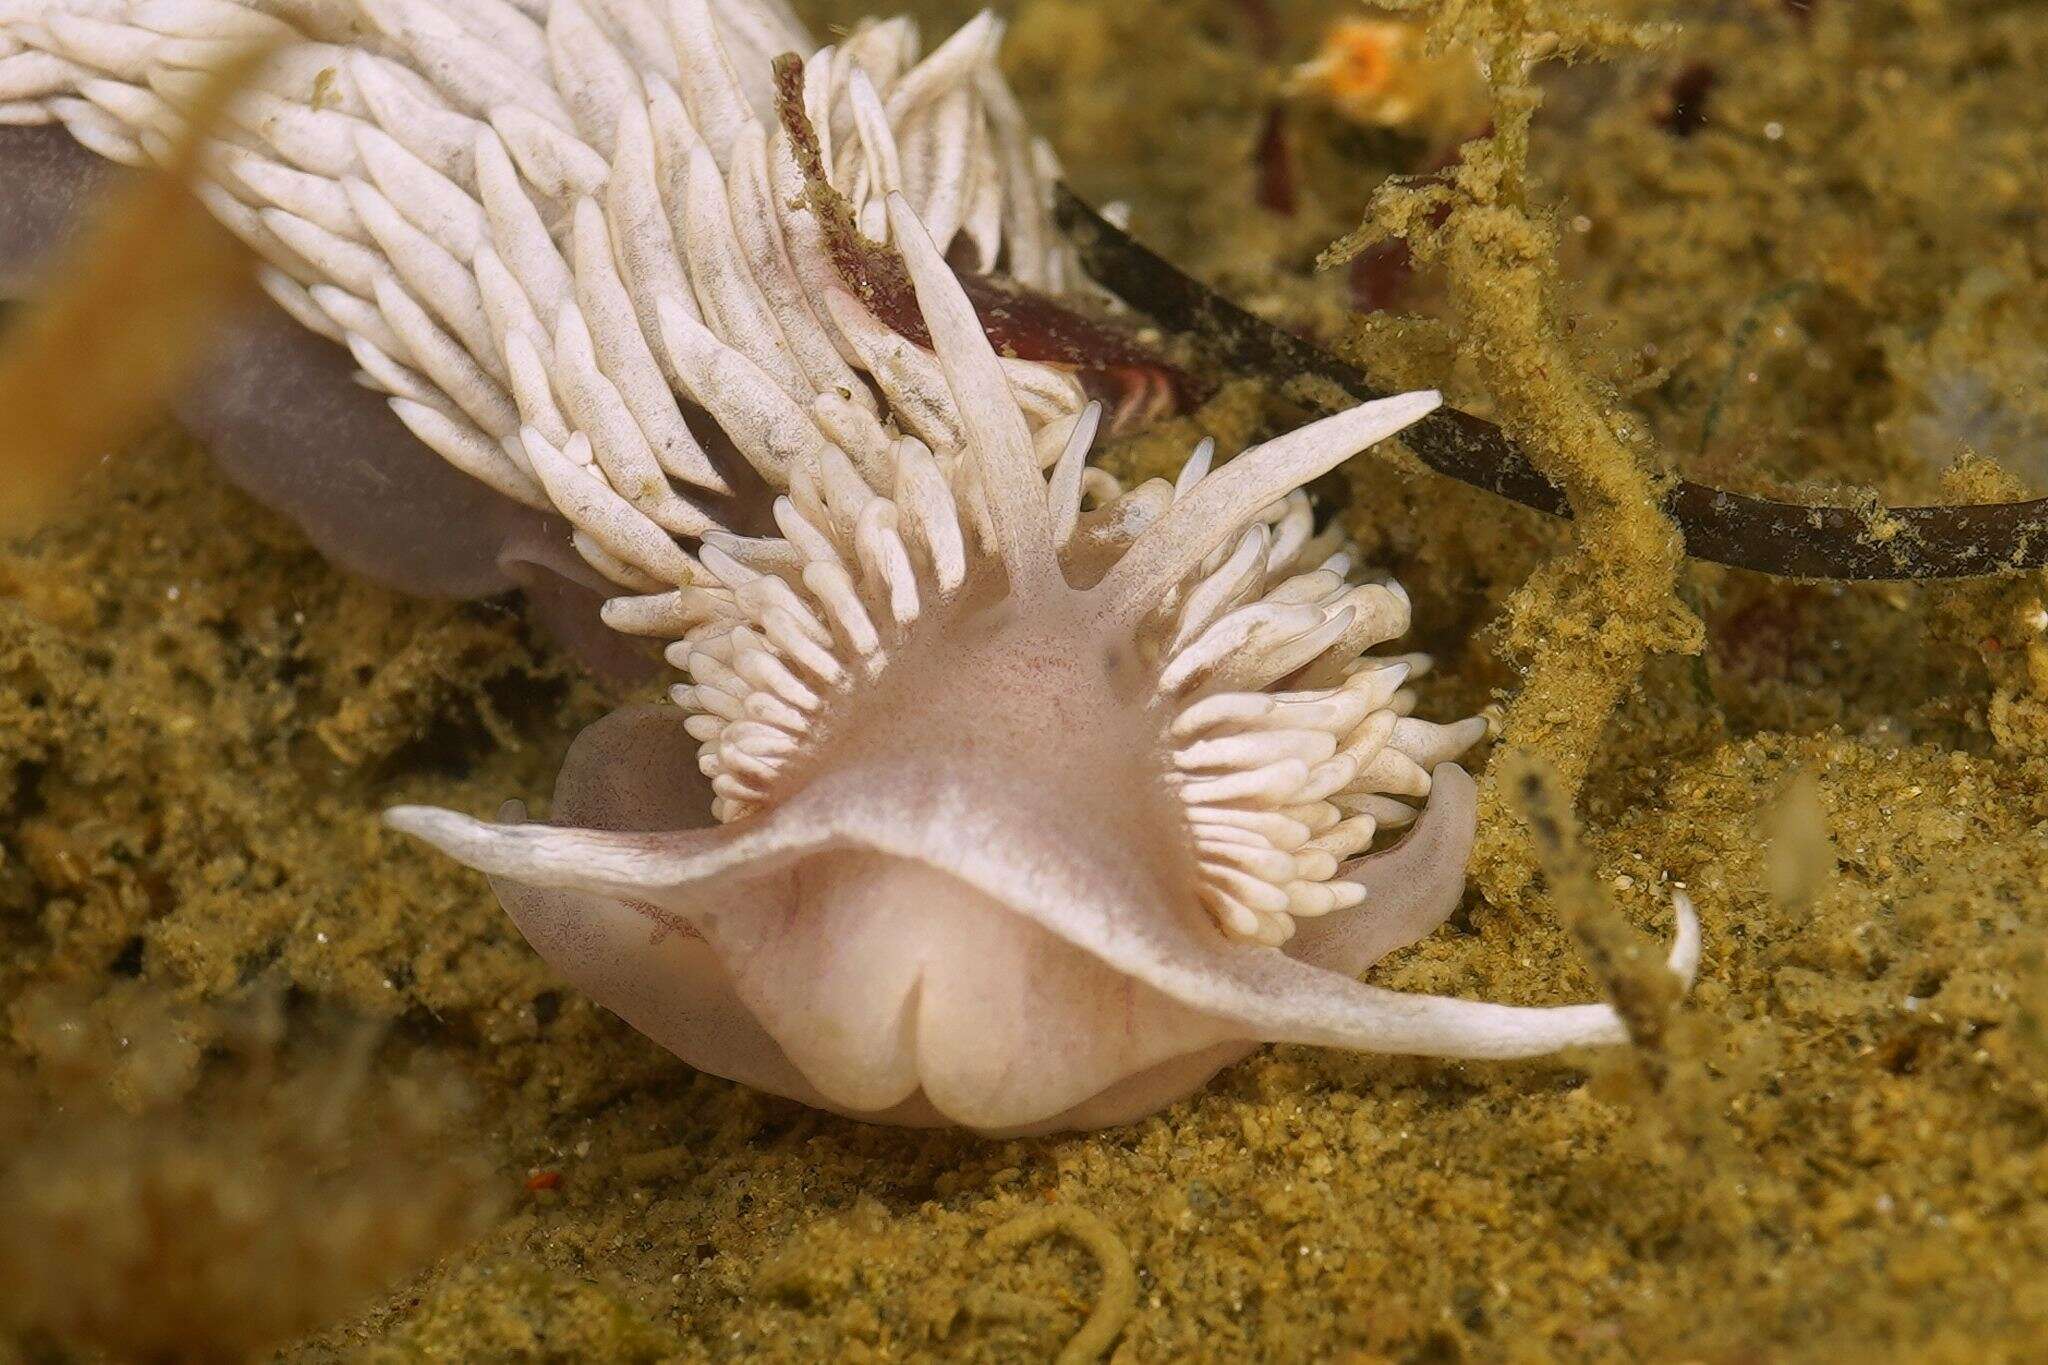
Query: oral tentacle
pixel 1269 995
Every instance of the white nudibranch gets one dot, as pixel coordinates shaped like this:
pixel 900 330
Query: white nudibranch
pixel 996 794
pixel 1011 812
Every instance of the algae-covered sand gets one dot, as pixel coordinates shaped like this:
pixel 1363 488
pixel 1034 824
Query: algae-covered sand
pixel 273 1079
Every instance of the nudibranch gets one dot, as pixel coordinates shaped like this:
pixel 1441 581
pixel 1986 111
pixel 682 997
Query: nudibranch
pixel 996 794
pixel 1009 814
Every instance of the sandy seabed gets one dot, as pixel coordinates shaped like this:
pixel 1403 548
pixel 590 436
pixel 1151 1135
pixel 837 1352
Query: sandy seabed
pixel 275 1080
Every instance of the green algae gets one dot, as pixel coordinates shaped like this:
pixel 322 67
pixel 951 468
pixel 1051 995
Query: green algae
pixel 1842 1148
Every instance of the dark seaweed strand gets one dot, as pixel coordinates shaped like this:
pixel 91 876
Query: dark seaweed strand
pixel 1736 529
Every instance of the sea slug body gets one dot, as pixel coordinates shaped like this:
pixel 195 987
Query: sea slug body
pixel 997 794
pixel 1008 814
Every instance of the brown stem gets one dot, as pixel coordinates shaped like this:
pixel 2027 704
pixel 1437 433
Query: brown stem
pixel 1791 540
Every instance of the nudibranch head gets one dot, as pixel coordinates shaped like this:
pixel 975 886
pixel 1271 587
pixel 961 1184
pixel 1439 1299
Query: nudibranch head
pixel 983 808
